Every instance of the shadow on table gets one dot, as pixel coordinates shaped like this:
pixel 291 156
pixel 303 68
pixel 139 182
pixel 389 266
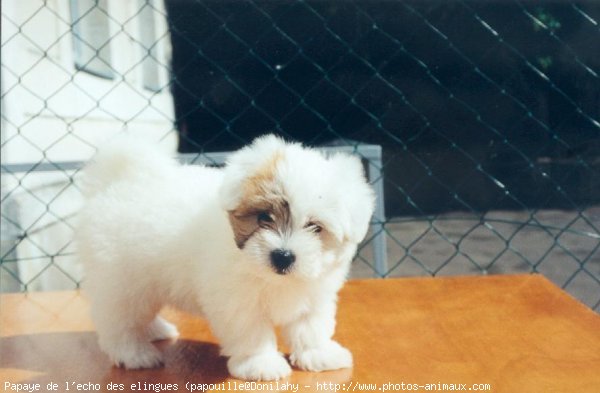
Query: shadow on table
pixel 75 357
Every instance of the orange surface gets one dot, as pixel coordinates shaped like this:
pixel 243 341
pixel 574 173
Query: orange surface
pixel 507 333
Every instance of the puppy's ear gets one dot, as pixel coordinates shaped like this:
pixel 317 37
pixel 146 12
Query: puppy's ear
pixel 356 195
pixel 244 164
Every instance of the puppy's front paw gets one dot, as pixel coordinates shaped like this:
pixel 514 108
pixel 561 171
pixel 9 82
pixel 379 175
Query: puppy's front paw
pixel 331 356
pixel 261 367
pixel 137 356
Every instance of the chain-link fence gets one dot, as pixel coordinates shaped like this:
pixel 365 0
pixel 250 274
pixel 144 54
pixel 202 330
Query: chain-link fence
pixel 487 113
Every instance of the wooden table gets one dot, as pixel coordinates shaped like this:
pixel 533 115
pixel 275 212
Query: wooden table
pixel 497 333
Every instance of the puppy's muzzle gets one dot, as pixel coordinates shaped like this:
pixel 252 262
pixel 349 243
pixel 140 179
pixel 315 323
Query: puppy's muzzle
pixel 282 260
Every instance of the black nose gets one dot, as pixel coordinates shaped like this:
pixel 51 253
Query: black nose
pixel 282 260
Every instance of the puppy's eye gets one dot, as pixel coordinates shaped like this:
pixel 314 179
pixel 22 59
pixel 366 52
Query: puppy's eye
pixel 264 219
pixel 314 227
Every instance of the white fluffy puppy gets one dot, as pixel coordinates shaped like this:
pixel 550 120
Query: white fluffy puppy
pixel 267 241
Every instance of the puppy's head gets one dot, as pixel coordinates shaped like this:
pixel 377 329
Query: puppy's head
pixel 292 210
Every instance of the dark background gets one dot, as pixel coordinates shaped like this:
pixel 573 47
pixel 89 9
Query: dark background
pixel 477 105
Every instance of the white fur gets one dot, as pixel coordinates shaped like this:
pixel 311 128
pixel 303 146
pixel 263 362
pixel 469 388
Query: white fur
pixel 153 232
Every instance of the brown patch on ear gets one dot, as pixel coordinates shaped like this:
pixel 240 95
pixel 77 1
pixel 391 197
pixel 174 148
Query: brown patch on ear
pixel 259 195
pixel 243 227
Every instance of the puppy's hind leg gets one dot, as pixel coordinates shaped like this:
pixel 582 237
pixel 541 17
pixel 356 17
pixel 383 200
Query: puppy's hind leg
pixel 161 329
pixel 126 328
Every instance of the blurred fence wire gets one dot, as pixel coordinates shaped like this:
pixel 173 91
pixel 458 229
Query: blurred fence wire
pixel 488 114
